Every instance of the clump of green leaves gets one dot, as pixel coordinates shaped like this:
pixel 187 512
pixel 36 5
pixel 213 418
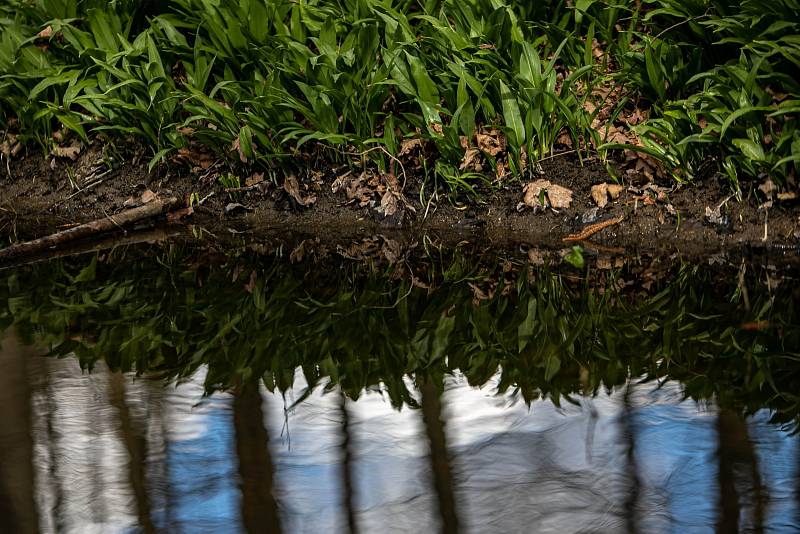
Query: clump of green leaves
pixel 271 78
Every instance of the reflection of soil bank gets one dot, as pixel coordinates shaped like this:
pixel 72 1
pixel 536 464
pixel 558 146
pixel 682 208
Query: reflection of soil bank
pixel 37 201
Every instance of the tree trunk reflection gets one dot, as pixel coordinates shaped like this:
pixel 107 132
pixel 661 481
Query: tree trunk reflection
pixel 135 443
pixel 259 509
pixel 347 468
pixel 17 506
pixel 440 464
pixel 628 433
pixel 738 463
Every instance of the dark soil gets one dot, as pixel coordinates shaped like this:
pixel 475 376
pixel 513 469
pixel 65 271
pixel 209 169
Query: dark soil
pixel 37 197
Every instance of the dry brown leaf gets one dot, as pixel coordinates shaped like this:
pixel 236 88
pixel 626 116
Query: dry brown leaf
pixel 256 178
pixel 471 160
pixel 291 186
pixel 492 143
pixel 565 139
pixel 600 194
pixel 389 204
pixel 559 197
pixel 134 202
pixel 195 157
pixel 500 169
pixel 407 146
pixel 70 152
pixel 615 190
pixel 147 196
pixel 556 196
pixel 532 193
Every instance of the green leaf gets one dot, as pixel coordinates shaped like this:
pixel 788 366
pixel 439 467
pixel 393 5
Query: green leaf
pixel 158 157
pixel 752 150
pixel 511 114
pixel 71 122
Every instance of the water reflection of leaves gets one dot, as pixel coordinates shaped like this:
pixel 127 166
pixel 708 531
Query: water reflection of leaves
pixel 551 335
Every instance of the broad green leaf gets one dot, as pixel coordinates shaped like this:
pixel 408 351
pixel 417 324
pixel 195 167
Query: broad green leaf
pixel 511 114
pixel 750 149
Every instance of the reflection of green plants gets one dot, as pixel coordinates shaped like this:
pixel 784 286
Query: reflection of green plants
pixel 575 257
pixel 160 317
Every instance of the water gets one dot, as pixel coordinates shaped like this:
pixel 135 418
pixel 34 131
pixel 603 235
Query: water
pixel 350 400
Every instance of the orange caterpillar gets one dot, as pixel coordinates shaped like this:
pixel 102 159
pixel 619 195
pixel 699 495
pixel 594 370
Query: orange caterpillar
pixel 592 229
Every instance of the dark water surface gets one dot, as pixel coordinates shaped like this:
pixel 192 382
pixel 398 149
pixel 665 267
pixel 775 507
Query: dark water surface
pixel 242 392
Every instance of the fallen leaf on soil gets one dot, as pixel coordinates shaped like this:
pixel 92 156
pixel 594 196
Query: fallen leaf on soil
pixel 354 188
pixel 256 178
pixel 565 139
pixel 408 145
pixel 557 196
pixel 134 202
pixel 600 194
pixel 791 195
pixel 291 186
pixel 388 204
pixel 492 143
pixel 195 157
pixel 146 196
pixel 70 152
pixel 500 169
pixel 714 216
pixel 471 160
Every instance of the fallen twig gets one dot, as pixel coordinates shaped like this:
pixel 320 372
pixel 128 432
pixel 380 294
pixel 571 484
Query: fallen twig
pixel 592 229
pixel 151 209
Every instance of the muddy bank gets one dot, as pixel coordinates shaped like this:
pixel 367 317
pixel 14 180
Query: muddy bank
pixel 40 196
